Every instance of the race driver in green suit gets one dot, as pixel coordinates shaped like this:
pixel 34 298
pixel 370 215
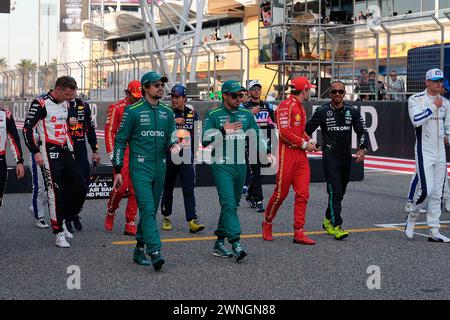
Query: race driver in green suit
pixel 225 130
pixel 148 127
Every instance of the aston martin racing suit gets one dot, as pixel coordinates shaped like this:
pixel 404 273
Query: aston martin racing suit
pixel 62 174
pixel 431 124
pixel 336 127
pixel 150 131
pixel 8 131
pixel 115 112
pixel 229 170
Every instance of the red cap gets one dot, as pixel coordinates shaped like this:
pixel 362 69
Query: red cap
pixel 135 88
pixel 301 83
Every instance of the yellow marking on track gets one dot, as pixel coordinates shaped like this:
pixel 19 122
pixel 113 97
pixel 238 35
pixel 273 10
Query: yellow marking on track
pixel 286 234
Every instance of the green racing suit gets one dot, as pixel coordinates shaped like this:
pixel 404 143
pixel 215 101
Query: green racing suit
pixel 150 131
pixel 228 162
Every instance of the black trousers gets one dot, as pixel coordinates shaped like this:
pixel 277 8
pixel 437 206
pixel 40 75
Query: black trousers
pixel 3 177
pixel 81 157
pixel 255 189
pixel 187 177
pixel 65 184
pixel 337 173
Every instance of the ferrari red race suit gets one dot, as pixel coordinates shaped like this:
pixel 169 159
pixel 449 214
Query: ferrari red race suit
pixel 293 163
pixel 115 112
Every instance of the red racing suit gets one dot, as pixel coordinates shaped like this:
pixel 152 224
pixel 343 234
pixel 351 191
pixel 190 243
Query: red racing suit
pixel 115 112
pixel 293 164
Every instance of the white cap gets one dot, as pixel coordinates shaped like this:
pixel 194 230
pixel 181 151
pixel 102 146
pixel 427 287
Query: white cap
pixel 434 74
pixel 253 83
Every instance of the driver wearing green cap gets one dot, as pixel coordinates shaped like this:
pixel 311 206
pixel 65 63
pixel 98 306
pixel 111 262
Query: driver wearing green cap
pixel 148 126
pixel 226 129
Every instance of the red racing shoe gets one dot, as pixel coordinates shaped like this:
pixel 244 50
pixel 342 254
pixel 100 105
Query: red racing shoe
pixel 301 238
pixel 109 221
pixel 130 229
pixel 267 231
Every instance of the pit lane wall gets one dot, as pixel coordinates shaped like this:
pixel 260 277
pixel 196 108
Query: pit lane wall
pixel 390 130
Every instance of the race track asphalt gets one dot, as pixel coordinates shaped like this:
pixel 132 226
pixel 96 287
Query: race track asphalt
pixel 34 268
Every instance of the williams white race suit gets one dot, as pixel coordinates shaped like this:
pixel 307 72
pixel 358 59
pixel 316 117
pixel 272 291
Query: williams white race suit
pixel 431 125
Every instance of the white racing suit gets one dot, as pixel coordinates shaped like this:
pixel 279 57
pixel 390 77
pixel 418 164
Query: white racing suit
pixel 431 124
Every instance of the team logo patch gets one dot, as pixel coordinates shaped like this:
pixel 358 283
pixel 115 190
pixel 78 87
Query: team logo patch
pixel 80 107
pixel 347 113
pixel 53 119
pixel 163 115
pixel 329 113
pixel 297 117
pixel 190 115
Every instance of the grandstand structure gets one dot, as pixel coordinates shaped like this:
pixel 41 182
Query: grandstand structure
pixel 272 41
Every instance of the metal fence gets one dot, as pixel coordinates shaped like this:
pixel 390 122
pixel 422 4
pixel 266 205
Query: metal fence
pixel 384 46
pixel 104 79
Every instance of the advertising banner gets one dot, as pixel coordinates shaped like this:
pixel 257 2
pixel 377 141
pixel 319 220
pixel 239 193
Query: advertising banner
pixel 101 183
pixel 5 6
pixel 72 13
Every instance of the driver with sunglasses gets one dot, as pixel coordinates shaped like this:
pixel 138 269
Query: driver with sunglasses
pixel 336 120
pixel 226 129
pixel 148 128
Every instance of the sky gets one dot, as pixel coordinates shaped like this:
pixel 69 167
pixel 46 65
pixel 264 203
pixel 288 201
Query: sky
pixel 20 31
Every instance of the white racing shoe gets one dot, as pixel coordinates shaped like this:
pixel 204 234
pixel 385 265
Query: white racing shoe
pixel 410 207
pixel 409 227
pixel 447 207
pixel 61 241
pixel 67 234
pixel 40 223
pixel 435 236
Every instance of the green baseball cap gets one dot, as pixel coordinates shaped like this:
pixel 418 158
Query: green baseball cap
pixel 231 86
pixel 151 77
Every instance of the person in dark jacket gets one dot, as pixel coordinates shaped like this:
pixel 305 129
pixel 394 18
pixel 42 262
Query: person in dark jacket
pixel 336 120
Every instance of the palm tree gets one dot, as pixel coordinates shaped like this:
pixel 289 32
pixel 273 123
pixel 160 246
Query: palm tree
pixel 3 63
pixel 25 67
pixel 47 76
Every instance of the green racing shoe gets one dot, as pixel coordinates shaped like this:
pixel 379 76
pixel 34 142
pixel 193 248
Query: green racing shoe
pixel 139 257
pixel 340 233
pixel 328 226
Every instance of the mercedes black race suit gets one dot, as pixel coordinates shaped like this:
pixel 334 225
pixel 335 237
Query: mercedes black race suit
pixel 265 119
pixel 62 174
pixel 8 131
pixel 336 127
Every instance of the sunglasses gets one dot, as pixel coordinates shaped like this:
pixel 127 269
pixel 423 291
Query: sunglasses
pixel 340 91
pixel 235 95
pixel 157 84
